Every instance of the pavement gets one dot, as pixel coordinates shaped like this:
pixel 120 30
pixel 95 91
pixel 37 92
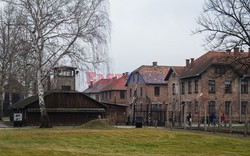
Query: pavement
pixel 3 125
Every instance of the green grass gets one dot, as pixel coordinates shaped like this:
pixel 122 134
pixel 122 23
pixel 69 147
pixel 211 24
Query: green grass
pixel 75 141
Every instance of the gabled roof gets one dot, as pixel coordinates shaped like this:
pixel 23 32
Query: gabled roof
pixel 26 102
pixel 205 61
pixel 98 86
pixel 151 74
pixel 117 84
pixel 177 69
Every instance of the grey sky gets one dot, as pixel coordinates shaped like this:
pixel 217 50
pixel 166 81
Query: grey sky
pixel 144 31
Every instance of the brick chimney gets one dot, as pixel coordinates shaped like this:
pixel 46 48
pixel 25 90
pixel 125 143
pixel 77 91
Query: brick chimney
pixel 91 84
pixel 236 49
pixel 192 61
pixel 155 64
pixel 187 62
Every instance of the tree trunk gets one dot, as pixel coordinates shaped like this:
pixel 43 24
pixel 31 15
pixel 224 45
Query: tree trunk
pixel 44 115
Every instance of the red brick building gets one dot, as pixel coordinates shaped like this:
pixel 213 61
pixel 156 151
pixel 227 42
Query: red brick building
pixel 208 81
pixel 147 94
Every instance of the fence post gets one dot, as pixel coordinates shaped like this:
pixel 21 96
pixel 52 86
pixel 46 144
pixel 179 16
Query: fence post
pixel 230 118
pixel 246 121
pixel 205 118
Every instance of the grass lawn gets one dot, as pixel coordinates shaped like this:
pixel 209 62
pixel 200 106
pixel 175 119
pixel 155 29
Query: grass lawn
pixel 75 141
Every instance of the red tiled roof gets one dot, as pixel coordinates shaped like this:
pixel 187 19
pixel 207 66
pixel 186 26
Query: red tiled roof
pixel 117 84
pixel 213 57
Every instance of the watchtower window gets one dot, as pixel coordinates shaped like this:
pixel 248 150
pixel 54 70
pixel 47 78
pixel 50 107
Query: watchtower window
pixel 66 88
pixel 66 73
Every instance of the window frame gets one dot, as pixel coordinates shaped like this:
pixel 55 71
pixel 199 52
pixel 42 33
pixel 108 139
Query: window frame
pixel 228 90
pixel 196 86
pixel 244 87
pixel 212 85
pixel 157 90
pixel 189 87
pixel 183 87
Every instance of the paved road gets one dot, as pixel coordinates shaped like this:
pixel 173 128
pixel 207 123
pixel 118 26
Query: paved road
pixel 2 125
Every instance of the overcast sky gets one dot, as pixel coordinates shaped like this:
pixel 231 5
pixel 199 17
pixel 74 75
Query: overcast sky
pixel 144 31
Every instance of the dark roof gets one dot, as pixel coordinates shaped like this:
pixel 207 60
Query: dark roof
pixel 113 104
pixel 152 74
pixel 98 86
pixel 25 102
pixel 117 84
pixel 65 68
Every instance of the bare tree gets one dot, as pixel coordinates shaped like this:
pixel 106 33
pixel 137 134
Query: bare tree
pixel 225 23
pixel 9 41
pixel 63 29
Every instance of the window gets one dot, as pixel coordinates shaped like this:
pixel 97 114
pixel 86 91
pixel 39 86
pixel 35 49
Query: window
pixel 228 86
pixel 122 94
pixel 244 107
pixel 227 107
pixel 106 95
pixel 173 89
pixel 157 91
pixel 97 97
pixel 138 78
pixel 196 107
pixel 219 70
pixel 211 107
pixel 130 92
pixel 102 96
pixel 189 87
pixel 211 86
pixel 141 91
pixel 189 107
pixel 173 75
pixel 196 86
pixel 244 86
pixel 110 95
pixel 183 87
pixel 66 88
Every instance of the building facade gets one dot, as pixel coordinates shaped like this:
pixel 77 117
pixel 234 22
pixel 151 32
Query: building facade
pixel 147 94
pixel 208 85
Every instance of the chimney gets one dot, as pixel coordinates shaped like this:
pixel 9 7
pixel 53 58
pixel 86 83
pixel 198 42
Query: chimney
pixel 236 49
pixel 187 62
pixel 242 51
pixel 248 51
pixel 91 84
pixel 192 61
pixel 155 64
